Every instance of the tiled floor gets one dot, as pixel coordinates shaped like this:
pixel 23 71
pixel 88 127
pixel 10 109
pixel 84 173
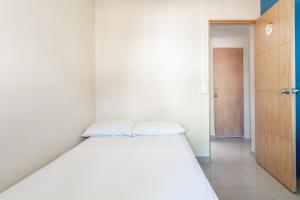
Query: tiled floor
pixel 234 174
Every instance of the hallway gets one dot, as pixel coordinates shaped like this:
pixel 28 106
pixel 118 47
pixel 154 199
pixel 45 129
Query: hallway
pixel 234 174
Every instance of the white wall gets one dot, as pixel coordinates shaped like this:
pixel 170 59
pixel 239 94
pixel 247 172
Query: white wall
pixel 152 60
pixel 46 81
pixel 234 36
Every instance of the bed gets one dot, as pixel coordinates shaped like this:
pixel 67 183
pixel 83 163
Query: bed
pixel 119 168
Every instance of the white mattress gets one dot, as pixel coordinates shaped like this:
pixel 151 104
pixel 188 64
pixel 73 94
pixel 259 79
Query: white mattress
pixel 119 168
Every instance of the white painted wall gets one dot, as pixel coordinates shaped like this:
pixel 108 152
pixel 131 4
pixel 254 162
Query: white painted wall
pixel 46 81
pixel 152 60
pixel 234 36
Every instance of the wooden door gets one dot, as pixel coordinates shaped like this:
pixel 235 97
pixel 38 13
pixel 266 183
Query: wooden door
pixel 275 115
pixel 228 83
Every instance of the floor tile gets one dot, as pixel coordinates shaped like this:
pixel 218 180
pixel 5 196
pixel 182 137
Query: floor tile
pixel 261 177
pixel 230 176
pixel 235 175
pixel 282 194
pixel 231 150
pixel 245 194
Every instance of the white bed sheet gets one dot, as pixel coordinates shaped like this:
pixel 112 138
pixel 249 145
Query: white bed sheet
pixel 119 168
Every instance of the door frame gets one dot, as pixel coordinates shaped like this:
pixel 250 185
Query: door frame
pixel 211 78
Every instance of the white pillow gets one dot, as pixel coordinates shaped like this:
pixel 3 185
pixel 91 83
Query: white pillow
pixel 158 128
pixel 110 128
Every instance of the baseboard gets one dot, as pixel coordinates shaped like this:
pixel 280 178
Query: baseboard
pixel 203 159
pixel 231 137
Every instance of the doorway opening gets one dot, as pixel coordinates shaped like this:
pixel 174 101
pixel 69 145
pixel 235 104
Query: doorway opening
pixel 273 119
pixel 232 89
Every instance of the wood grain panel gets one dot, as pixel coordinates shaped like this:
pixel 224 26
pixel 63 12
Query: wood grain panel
pixel 229 106
pixel 284 165
pixel 275 137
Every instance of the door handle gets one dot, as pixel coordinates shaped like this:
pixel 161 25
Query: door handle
pixel 285 91
pixel 216 95
pixel 288 91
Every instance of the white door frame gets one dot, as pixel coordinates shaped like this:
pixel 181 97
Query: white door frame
pixel 251 79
